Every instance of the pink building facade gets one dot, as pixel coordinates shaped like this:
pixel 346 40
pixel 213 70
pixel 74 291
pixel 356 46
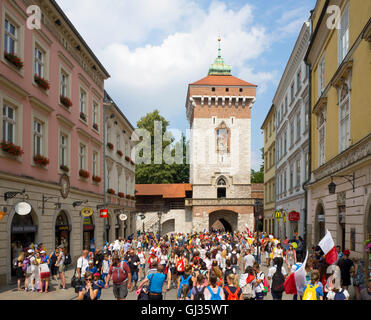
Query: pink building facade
pixel 51 149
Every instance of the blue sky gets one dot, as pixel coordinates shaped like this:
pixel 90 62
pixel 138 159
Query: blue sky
pixel 154 48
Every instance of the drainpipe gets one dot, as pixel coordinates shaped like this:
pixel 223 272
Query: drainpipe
pixel 304 185
pixel 104 155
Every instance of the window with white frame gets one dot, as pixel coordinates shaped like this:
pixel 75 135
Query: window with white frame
pixel 343 35
pixel 95 112
pixel 344 118
pixel 63 144
pixel 286 102
pixel 306 165
pixel 82 102
pixel 292 131
pixel 10 37
pixel 285 142
pixel 39 62
pixel 64 84
pixel 321 76
pixel 291 176
pixel 118 142
pixel 9 123
pixel 108 179
pixel 298 173
pixel 298 125
pixel 321 139
pixel 284 182
pixel 95 163
pixel 37 138
pixel 292 91
pixel 82 156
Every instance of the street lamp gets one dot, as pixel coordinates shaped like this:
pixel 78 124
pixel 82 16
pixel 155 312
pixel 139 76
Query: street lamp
pixel 332 186
pixel 159 213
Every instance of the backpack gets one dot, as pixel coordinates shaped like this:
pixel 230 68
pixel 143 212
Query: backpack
pixel 247 291
pixel 119 273
pixel 234 259
pixel 310 292
pixel 199 294
pixel 232 296
pixel 278 280
pixel 67 260
pixel 340 295
pixel 180 265
pixel 183 282
pixel 215 296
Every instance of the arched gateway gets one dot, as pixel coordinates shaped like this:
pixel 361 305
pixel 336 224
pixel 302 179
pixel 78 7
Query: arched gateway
pixel 223 219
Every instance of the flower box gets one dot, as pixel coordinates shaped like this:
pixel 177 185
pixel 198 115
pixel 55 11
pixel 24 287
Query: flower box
pixel 11 148
pixel 110 145
pixel 121 195
pixel 65 101
pixel 127 158
pixel 132 162
pixel 111 191
pixel 13 59
pixel 95 126
pixel 128 196
pixel 83 116
pixel 64 168
pixel 84 174
pixel 97 179
pixel 41 160
pixel 119 152
pixel 132 197
pixel 41 82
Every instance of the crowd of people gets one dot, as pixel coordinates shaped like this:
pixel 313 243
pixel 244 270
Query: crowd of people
pixel 35 269
pixel 216 265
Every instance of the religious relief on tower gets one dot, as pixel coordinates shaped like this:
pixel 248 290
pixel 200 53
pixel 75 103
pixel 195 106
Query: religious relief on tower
pixel 222 139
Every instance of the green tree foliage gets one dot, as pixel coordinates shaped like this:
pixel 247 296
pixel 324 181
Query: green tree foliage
pixel 258 176
pixel 161 173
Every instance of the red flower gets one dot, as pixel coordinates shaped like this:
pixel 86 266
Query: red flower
pixel 97 179
pixel 65 101
pixel 41 82
pixel 11 148
pixel 121 195
pixel 111 191
pixel 110 145
pixel 119 152
pixel 84 174
pixel 64 168
pixel 127 158
pixel 41 160
pixel 17 62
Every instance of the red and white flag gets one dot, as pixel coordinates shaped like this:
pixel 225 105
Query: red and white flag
pixel 295 282
pixel 328 247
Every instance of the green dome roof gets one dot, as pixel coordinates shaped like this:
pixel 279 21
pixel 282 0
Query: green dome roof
pixel 219 67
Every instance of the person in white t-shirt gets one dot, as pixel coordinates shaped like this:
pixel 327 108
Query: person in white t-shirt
pixel 248 260
pixel 82 264
pixel 259 282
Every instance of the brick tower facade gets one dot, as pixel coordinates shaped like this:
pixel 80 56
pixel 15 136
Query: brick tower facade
pixel 219 112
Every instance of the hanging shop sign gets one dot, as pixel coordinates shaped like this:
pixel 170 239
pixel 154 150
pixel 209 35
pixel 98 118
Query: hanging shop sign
pixel 103 213
pixel 23 208
pixel 280 215
pixel 24 229
pixel 87 212
pixel 294 216
pixel 123 216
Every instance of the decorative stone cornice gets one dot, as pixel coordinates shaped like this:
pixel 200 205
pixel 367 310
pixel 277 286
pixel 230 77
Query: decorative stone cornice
pixel 219 202
pixel 40 105
pixel 342 74
pixel 65 121
pixel 6 83
pixel 321 103
pixel 65 60
pixel 350 156
pixel 84 80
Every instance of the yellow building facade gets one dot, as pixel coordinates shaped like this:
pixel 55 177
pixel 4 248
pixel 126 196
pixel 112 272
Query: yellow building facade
pixel 269 170
pixel 339 57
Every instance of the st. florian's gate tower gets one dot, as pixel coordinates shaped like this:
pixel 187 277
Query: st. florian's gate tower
pixel 219 112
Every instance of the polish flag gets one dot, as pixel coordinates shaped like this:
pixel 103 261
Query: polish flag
pixel 295 282
pixel 328 247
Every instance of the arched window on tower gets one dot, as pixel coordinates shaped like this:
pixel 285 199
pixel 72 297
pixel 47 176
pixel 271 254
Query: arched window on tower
pixel 222 188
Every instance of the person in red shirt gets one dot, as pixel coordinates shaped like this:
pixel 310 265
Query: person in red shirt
pixel 121 277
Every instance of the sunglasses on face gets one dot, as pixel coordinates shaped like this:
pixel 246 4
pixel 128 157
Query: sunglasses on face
pixel 90 279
